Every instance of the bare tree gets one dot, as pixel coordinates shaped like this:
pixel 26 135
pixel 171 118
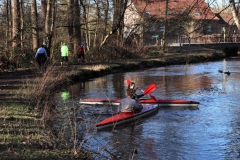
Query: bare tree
pixel 70 19
pixel 106 9
pixel 52 26
pixel 34 20
pixel 85 19
pixel 76 25
pixel 234 13
pixel 48 18
pixel 165 27
pixel 15 23
pixel 97 26
pixel 7 12
pixel 44 10
pixel 118 23
pixel 118 15
pixel 21 21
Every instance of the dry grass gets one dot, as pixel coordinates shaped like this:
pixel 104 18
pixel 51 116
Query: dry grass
pixel 42 129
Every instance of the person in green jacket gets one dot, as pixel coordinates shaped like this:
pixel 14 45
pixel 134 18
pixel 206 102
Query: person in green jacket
pixel 64 53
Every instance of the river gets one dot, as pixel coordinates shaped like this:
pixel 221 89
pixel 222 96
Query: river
pixel 210 131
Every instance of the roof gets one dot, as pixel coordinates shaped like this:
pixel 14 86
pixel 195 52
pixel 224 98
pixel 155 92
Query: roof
pixel 228 18
pixel 198 9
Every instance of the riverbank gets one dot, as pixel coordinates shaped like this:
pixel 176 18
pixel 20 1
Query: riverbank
pixel 10 82
pixel 24 135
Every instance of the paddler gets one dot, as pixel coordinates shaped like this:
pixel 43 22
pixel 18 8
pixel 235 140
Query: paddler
pixel 131 102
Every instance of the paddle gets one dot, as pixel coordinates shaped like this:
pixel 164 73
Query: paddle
pixel 152 87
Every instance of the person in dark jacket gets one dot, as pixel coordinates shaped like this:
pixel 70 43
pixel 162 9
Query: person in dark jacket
pixel 41 57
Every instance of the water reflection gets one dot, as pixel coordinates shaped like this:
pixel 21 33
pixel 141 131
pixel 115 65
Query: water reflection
pixel 65 96
pixel 211 132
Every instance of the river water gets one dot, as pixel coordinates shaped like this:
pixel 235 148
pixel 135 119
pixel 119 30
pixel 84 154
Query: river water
pixel 209 131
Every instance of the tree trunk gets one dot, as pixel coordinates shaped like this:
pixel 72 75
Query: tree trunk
pixel 85 19
pixel 116 17
pixel 76 25
pixel 118 20
pixel 21 22
pixel 47 18
pixel 44 10
pixel 34 20
pixel 50 34
pixel 70 22
pixel 165 28
pixel 15 23
pixel 106 17
pixel 234 13
pixel 8 32
pixel 97 23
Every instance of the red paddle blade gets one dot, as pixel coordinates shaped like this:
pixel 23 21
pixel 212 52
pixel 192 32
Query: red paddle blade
pixel 152 87
pixel 128 81
pixel 153 97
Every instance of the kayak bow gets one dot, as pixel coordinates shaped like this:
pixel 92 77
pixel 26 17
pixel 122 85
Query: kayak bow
pixel 125 117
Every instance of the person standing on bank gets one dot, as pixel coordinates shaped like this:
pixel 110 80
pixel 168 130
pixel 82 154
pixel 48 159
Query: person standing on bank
pixel 41 56
pixel 64 53
pixel 80 53
pixel 129 104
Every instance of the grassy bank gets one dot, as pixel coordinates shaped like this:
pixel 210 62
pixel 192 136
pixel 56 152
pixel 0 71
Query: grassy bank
pixel 28 126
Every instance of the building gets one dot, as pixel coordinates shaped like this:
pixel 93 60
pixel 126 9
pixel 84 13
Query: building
pixel 228 28
pixel 144 21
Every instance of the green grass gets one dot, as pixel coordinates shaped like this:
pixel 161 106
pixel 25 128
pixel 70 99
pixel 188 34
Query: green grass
pixel 15 111
pixel 25 136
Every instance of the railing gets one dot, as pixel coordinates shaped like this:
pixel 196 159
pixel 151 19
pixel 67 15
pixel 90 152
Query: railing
pixel 208 39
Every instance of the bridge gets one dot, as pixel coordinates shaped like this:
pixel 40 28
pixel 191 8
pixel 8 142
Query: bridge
pixel 229 48
pixel 230 44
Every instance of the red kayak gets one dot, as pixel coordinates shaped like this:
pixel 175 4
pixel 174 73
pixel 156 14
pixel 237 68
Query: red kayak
pixel 124 117
pixel 160 102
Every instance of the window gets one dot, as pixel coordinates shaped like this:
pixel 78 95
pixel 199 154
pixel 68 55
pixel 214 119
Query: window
pixel 197 14
pixel 169 13
pixel 147 13
pixel 201 28
pixel 162 29
pixel 209 28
